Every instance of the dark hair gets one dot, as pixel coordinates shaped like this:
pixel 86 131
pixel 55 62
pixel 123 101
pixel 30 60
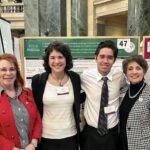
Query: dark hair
pixel 12 59
pixel 107 44
pixel 59 47
pixel 136 58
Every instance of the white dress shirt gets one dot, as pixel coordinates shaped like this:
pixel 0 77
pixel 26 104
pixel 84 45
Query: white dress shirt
pixel 92 84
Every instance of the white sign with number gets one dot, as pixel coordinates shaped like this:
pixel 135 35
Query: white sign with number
pixel 123 43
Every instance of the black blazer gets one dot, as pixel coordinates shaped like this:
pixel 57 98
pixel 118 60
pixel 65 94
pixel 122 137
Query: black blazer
pixel 38 86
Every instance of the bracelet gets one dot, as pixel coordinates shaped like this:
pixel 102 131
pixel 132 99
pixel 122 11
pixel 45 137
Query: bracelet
pixel 34 145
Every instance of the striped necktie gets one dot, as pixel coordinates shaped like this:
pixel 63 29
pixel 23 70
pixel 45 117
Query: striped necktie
pixel 102 121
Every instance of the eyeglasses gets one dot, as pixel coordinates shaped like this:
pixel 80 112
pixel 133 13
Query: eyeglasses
pixel 11 70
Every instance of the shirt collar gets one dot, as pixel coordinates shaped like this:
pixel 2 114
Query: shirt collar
pixel 109 76
pixel 1 89
pixel 19 90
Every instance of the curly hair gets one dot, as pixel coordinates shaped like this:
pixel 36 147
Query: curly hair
pixel 59 47
pixel 135 58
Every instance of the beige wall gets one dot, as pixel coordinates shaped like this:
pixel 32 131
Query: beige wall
pixel 111 13
pixel 116 26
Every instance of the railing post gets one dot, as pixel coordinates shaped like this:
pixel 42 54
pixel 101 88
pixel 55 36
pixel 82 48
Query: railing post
pixel 12 7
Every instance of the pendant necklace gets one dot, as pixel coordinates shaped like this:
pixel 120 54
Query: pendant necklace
pixel 137 92
pixel 59 81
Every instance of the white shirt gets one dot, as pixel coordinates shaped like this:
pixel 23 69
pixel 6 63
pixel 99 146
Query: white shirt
pixel 92 84
pixel 58 119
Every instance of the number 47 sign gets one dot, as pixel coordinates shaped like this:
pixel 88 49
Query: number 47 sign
pixel 123 43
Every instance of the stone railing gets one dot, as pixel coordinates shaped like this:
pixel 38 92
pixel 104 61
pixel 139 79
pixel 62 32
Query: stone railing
pixel 14 13
pixel 12 8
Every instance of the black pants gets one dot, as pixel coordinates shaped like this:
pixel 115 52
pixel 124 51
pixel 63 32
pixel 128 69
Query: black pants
pixel 69 143
pixel 91 140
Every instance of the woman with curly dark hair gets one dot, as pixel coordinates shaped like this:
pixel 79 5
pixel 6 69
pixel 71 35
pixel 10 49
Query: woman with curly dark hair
pixel 57 94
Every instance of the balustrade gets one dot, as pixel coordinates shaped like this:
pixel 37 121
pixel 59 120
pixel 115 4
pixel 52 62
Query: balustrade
pixel 12 8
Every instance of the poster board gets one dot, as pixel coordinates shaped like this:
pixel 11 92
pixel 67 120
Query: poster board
pixel 82 49
pixel 5 37
pixel 1 44
pixel 16 48
pixel 146 47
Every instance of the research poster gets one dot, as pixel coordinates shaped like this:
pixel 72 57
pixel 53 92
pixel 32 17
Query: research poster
pixel 6 45
pixel 82 49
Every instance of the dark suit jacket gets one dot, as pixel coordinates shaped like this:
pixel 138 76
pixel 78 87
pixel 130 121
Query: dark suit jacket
pixel 38 86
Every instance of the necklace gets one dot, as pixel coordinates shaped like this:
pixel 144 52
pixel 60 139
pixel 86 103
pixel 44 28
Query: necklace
pixel 136 93
pixel 60 81
pixel 15 97
pixel 12 97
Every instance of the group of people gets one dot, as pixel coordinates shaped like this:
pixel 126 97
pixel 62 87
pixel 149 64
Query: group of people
pixel 116 103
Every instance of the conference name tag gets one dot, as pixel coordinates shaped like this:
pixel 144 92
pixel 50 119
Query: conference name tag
pixel 62 90
pixel 141 99
pixel 110 110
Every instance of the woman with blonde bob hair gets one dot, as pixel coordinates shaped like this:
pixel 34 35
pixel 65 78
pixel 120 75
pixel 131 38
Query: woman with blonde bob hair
pixel 20 123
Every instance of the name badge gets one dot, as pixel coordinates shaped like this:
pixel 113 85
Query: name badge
pixel 62 90
pixel 141 99
pixel 110 110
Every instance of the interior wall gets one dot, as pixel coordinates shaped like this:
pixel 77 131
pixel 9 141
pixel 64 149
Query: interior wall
pixel 113 29
pixel 113 25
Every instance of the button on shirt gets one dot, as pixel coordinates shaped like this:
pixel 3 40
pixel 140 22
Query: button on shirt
pixel 92 84
pixel 21 117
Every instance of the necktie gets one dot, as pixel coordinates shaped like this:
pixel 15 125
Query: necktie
pixel 102 121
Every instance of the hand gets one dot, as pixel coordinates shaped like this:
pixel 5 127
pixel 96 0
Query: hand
pixel 15 148
pixel 30 147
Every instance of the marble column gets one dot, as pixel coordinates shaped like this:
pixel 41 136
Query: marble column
pixel 52 15
pixel 79 17
pixel 45 17
pixel 48 17
pixel 138 17
pixel 31 15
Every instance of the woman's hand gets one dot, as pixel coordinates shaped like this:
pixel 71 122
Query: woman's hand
pixel 15 148
pixel 30 147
